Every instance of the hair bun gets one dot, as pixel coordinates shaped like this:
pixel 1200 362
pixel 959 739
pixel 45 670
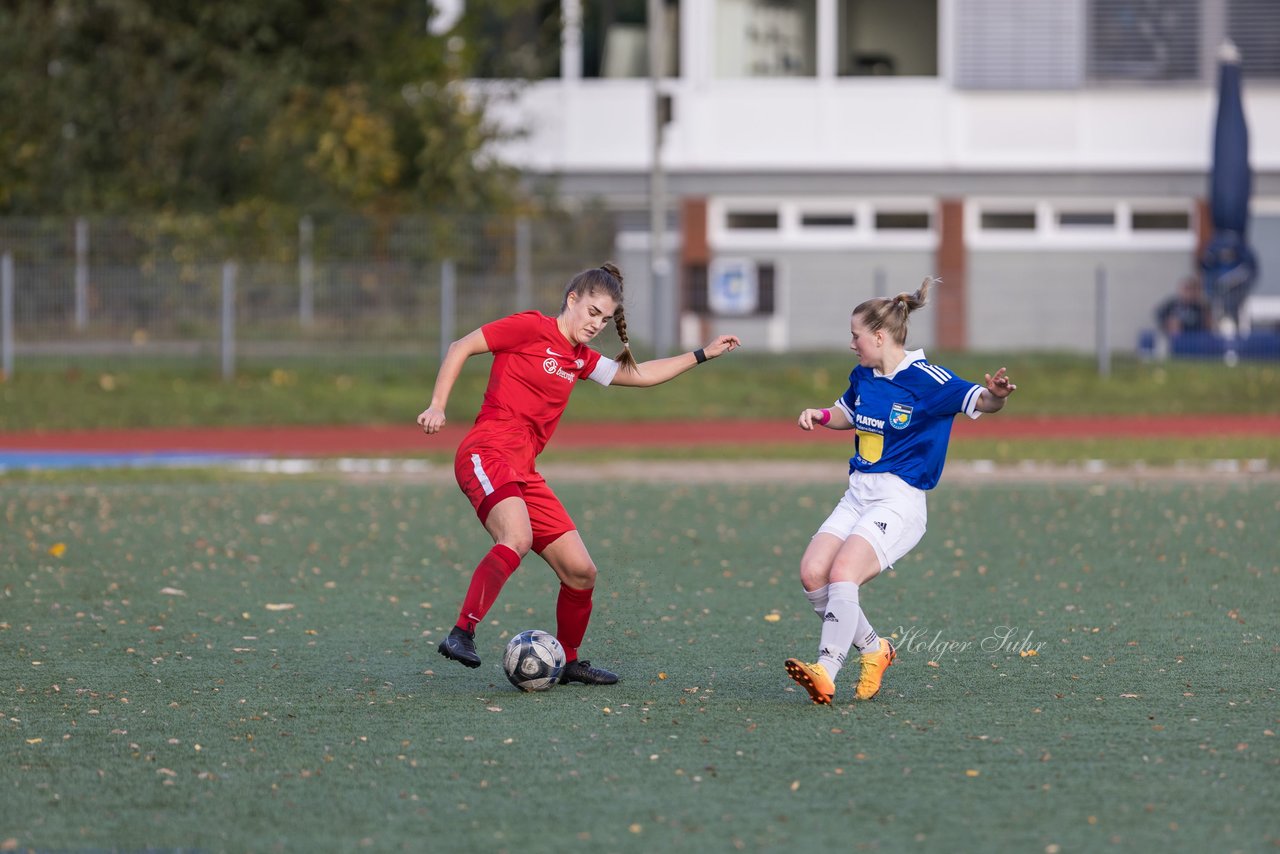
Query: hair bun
pixel 612 269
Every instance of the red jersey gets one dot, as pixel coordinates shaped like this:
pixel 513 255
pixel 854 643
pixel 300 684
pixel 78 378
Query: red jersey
pixel 534 371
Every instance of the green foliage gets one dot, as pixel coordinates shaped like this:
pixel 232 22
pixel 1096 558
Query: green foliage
pixel 246 104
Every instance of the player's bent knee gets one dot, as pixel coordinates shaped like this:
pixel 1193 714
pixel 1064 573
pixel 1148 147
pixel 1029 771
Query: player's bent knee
pixel 814 574
pixel 520 543
pixel 581 577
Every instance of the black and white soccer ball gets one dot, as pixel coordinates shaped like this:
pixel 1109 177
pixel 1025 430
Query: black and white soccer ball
pixel 534 660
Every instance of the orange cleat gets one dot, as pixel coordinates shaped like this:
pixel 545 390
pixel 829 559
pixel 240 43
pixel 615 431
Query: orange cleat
pixel 874 664
pixel 814 679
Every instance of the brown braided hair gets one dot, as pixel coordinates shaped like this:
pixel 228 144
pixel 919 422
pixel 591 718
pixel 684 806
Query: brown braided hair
pixel 606 279
pixel 891 313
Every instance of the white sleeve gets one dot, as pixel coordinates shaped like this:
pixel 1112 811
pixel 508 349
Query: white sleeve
pixel 604 371
pixel 970 406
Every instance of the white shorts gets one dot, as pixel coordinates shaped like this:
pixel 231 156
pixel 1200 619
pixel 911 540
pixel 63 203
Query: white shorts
pixel 882 509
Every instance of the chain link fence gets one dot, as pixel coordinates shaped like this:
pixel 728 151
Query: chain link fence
pixel 323 289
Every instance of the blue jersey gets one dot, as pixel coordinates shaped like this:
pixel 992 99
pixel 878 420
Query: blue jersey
pixel 903 419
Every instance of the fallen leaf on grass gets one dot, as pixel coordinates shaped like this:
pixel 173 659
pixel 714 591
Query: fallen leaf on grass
pixel 279 606
pixel 772 618
pixel 172 591
pixel 58 549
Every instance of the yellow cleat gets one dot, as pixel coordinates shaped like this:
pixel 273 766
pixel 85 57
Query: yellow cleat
pixel 874 664
pixel 814 679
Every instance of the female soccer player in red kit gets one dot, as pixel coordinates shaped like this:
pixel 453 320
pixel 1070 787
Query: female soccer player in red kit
pixel 537 360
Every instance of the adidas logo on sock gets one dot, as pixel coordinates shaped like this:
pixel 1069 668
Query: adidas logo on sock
pixel 830 618
pixel 883 526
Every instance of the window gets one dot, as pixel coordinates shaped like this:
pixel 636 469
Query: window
pixel 697 297
pixel 1008 221
pixel 1144 40
pixel 615 38
pixel 1087 219
pixel 755 220
pixel 1161 221
pixel 516 43
pixel 1254 26
pixel 1018 44
pixel 883 39
pixel 902 221
pixel 766 38
pixel 828 220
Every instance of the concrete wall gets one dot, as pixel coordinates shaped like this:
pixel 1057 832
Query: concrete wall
pixel 1047 301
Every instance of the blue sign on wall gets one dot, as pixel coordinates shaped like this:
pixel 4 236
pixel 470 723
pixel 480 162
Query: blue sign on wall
pixel 732 286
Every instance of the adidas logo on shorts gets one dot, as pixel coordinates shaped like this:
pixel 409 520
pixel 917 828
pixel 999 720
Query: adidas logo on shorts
pixel 883 526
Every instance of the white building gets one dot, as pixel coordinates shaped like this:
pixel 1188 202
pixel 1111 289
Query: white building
pixel 1024 150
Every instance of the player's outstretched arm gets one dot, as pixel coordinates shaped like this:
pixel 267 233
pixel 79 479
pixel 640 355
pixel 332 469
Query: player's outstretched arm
pixel 996 392
pixel 657 371
pixel 432 419
pixel 833 419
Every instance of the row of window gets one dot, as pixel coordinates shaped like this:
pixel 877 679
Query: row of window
pixel 1006 44
pixel 742 222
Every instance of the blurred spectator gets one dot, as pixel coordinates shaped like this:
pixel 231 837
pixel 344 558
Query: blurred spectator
pixel 1185 311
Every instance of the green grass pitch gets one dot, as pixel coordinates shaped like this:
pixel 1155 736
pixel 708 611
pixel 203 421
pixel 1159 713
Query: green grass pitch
pixel 250 665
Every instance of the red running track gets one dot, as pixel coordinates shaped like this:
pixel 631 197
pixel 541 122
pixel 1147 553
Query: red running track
pixel 409 439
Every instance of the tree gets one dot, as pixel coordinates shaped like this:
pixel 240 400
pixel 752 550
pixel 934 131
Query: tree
pixel 115 106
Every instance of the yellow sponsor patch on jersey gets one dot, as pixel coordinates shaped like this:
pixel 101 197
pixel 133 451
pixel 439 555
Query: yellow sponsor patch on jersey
pixel 870 446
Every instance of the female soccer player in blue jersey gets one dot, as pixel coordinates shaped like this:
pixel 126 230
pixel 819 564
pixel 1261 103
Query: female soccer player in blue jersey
pixel 901 408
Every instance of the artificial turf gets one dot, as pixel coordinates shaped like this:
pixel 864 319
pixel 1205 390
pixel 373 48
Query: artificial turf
pixel 250 665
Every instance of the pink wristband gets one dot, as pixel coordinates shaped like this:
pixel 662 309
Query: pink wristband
pixel 826 416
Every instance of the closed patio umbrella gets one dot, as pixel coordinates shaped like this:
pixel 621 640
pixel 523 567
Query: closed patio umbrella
pixel 1228 263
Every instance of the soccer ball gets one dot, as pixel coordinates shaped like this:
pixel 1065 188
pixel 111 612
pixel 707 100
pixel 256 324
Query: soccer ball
pixel 533 661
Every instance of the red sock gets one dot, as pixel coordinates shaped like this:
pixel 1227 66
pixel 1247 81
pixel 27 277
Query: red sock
pixel 486 583
pixel 573 612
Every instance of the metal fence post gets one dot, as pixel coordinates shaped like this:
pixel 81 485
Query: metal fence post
pixel 1103 322
pixel 448 304
pixel 228 320
pixel 82 273
pixel 306 272
pixel 6 315
pixel 524 264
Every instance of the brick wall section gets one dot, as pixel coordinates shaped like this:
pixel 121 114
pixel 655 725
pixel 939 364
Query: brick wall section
pixel 1204 229
pixel 951 299
pixel 693 220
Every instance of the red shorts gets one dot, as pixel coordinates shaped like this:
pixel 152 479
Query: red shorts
pixel 487 475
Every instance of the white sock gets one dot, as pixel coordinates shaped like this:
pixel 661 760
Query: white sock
pixel 844 625
pixel 818 599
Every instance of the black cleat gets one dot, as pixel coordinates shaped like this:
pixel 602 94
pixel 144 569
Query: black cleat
pixel 460 645
pixel 582 671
